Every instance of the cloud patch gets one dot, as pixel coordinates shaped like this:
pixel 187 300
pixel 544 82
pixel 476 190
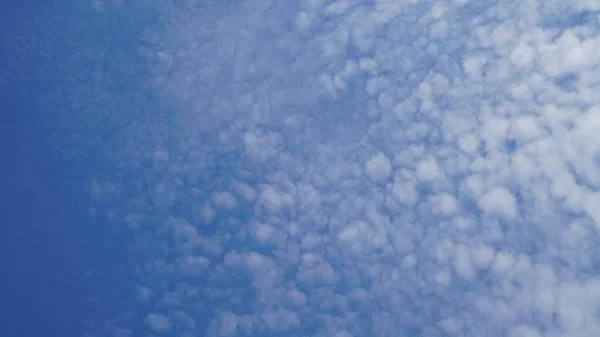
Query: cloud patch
pixel 344 168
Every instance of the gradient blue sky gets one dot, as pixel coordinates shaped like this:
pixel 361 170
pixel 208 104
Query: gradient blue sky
pixel 301 168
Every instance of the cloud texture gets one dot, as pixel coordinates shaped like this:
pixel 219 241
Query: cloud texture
pixel 347 168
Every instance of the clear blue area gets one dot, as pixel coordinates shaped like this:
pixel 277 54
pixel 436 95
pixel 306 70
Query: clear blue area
pixel 48 244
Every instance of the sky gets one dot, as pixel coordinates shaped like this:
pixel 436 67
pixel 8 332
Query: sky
pixel 301 168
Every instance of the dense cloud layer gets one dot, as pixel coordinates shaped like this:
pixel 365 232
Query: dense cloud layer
pixel 350 168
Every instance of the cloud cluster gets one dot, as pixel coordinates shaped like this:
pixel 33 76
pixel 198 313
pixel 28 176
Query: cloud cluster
pixel 349 168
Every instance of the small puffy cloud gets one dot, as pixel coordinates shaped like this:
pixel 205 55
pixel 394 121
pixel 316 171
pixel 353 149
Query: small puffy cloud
pixel 427 170
pixel 503 261
pixel 473 65
pixel 408 262
pixel 499 201
pixel 224 200
pixel 207 213
pixel 405 192
pixel 297 298
pixel 482 255
pixel 445 203
pixel 261 145
pixel 343 333
pixel 379 167
pixel 438 10
pixel 463 264
pixel 469 143
pixel 353 231
pixel 264 232
pixel 158 323
pixel 281 320
pixel 184 321
pixel 194 265
pixel 367 64
pixel 524 331
pixel 303 20
pixel 525 128
pixel 569 53
pixel 244 191
pixel 443 277
pixel 229 324
pixel 314 268
pixel 273 199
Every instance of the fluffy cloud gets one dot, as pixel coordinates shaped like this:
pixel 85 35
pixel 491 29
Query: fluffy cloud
pixel 379 167
pixel 347 168
pixel 158 323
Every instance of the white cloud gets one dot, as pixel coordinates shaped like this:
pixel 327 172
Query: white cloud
pixel 427 170
pixel 502 262
pixel 206 213
pixel 524 331
pixel 265 233
pixel 499 201
pixel 244 190
pixel 443 277
pixel 281 320
pixel 225 200
pixel 273 200
pixel 463 264
pixel 405 192
pixel 482 256
pixel 228 326
pixel 158 323
pixel 304 20
pixel 379 167
pixel 446 203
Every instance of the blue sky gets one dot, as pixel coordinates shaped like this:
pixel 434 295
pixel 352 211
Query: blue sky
pixel 303 168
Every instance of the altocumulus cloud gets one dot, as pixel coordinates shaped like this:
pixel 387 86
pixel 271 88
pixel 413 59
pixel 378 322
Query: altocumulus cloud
pixel 346 168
